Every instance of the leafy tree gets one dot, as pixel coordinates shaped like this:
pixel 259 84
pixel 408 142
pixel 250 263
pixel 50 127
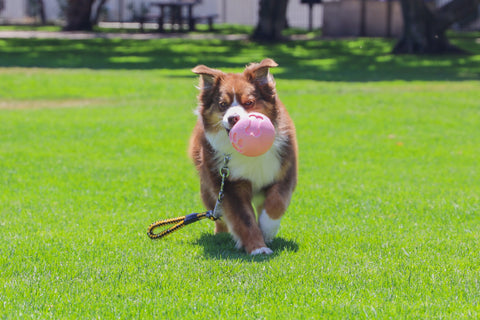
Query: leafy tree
pixel 425 27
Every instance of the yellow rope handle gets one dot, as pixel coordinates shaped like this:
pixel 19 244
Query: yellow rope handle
pixel 179 222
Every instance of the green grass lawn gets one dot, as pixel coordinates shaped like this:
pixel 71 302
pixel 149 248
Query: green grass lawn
pixel 384 223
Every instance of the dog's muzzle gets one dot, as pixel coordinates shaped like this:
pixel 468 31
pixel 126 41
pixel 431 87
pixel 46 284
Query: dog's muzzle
pixel 232 116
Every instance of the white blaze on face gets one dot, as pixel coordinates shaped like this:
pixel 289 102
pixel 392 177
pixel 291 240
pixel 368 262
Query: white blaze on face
pixel 235 102
pixel 234 110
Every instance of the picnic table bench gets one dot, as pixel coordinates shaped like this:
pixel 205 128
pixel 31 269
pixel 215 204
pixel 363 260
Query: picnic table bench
pixel 173 13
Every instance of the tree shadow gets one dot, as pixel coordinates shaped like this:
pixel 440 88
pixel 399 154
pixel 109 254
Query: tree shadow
pixel 222 246
pixel 352 60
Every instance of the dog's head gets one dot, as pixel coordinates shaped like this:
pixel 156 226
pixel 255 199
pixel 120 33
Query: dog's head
pixel 224 97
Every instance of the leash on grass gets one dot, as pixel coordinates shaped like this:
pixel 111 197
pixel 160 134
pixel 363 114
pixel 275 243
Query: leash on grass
pixel 181 222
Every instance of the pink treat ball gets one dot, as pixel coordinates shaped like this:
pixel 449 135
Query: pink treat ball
pixel 253 134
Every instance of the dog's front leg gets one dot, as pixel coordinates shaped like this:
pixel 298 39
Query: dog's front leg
pixel 240 218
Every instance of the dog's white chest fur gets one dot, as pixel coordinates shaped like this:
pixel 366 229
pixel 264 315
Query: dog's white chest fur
pixel 261 171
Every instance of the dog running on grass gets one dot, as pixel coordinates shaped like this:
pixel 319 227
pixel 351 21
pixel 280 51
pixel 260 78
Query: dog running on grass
pixel 265 182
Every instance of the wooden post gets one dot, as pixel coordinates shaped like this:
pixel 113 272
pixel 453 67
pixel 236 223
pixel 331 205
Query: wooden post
pixel 310 16
pixel 363 14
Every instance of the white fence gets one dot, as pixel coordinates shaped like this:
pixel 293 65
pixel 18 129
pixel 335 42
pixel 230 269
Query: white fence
pixel 243 12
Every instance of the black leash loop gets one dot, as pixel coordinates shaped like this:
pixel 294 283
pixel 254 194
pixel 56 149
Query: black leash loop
pixel 179 223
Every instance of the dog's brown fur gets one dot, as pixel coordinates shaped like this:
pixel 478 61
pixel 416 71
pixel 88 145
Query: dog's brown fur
pixel 252 90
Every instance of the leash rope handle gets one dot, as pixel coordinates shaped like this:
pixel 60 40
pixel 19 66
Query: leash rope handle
pixel 179 223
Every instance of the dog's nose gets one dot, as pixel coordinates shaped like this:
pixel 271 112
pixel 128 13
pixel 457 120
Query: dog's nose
pixel 233 119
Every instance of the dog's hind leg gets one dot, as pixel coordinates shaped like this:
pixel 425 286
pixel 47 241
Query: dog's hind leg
pixel 268 226
pixel 277 199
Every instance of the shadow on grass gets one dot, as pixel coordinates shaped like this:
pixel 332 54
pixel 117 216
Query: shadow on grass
pixel 222 246
pixel 363 59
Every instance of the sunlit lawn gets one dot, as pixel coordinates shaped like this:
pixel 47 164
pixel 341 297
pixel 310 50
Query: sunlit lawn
pixel 93 137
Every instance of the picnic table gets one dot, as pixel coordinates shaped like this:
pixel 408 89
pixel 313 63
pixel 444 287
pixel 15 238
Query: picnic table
pixel 177 12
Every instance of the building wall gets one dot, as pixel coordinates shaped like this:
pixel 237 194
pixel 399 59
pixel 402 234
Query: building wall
pixel 246 12
pixel 14 9
pixel 377 21
pixel 243 12
pixel 343 18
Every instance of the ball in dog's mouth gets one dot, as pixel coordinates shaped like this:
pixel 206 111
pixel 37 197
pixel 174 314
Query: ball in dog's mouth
pixel 252 135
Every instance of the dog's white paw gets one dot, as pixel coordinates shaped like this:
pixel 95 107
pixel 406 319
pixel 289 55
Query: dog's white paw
pixel 262 250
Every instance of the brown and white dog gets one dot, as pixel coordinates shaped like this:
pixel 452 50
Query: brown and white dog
pixel 267 181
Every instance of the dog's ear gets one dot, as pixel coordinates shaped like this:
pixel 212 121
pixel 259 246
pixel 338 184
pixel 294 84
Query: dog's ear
pixel 208 76
pixel 259 72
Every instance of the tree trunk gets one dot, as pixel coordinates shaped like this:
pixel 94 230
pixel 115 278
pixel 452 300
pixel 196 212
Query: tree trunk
pixel 78 15
pixel 272 20
pixel 424 28
pixel 98 12
pixel 41 12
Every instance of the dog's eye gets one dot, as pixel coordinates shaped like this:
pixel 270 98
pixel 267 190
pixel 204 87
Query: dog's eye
pixel 223 105
pixel 249 103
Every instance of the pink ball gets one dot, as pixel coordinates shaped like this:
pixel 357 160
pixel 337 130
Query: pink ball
pixel 253 134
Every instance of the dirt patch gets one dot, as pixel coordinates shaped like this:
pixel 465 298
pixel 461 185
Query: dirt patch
pixel 50 104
